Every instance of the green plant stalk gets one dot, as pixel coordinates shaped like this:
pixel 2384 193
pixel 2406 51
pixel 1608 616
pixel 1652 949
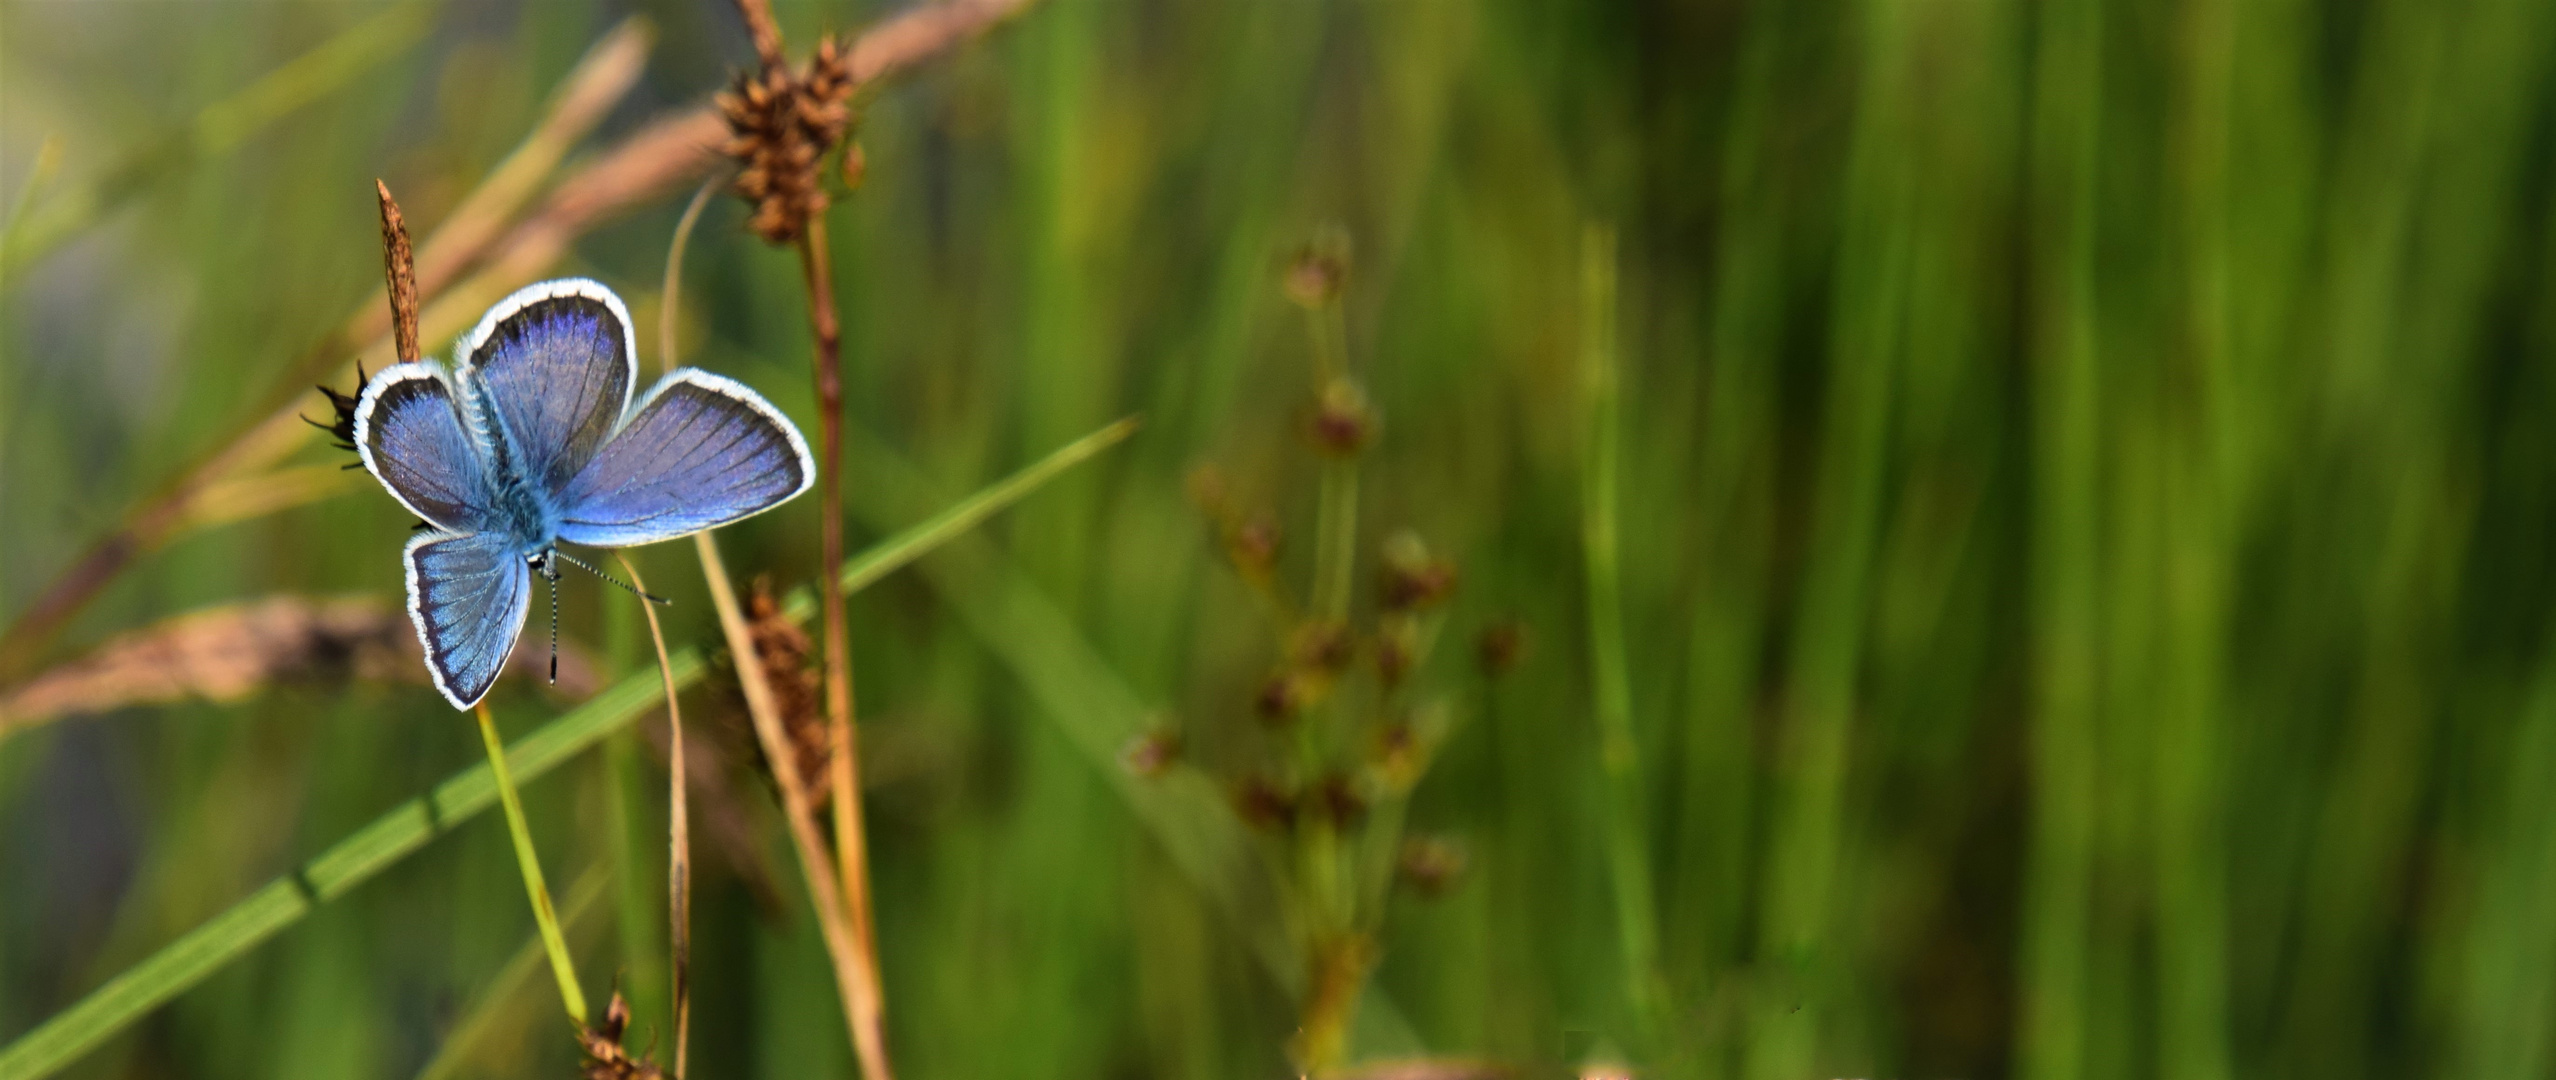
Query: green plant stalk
pixel 1619 757
pixel 843 764
pixel 2192 992
pixel 1336 529
pixel 562 967
pixel 377 846
pixel 2067 433
pixel 1336 515
pixel 492 1006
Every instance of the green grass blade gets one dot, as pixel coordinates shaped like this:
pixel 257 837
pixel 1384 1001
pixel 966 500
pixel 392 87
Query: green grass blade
pixel 1628 859
pixel 399 833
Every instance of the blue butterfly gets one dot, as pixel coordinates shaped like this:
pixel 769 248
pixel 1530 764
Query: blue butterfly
pixel 532 439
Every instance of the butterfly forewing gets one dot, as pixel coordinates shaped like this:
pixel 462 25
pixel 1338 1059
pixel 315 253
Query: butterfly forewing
pixel 700 452
pixel 556 365
pixel 467 593
pixel 409 431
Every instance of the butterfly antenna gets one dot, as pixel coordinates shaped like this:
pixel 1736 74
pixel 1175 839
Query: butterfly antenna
pixel 554 627
pixel 631 589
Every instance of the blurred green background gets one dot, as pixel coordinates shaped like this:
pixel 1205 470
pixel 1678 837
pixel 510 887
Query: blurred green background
pixel 2083 490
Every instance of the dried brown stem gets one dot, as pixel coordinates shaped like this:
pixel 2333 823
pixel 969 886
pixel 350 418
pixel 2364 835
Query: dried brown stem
pixel 850 848
pixel 814 863
pixel 678 832
pixel 767 34
pixel 660 157
pixel 399 275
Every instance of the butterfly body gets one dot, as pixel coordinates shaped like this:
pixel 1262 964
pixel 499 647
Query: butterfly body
pixel 532 439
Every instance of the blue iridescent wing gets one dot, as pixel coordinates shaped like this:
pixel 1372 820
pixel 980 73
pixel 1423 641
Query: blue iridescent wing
pixel 409 431
pixel 467 593
pixel 700 451
pixel 554 363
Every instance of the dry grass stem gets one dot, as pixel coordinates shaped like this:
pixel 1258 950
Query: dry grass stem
pixel 230 652
pixel 851 848
pixel 782 124
pixel 678 833
pixel 814 863
pixel 399 276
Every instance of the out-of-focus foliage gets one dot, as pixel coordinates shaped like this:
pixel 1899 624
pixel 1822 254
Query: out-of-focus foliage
pixel 2081 516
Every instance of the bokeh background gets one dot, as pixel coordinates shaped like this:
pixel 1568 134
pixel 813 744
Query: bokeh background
pixel 2083 500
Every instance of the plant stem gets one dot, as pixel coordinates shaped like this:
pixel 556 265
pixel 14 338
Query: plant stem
pixel 1637 927
pixel 529 861
pixel 851 852
pixel 833 919
pixel 678 830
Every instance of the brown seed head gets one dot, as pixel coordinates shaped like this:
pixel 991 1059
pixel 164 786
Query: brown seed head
pixel 1279 698
pixel 1263 805
pixel 1502 647
pixel 1151 754
pixel 1318 270
pixel 856 167
pixel 1340 801
pixel 1252 545
pixel 1323 647
pixel 1431 864
pixel 784 649
pixel 1412 579
pixel 1342 421
pixel 605 1058
pixel 781 124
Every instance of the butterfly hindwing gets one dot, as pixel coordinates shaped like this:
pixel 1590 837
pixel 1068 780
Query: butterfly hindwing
pixel 467 594
pixel 699 452
pixel 556 366
pixel 410 434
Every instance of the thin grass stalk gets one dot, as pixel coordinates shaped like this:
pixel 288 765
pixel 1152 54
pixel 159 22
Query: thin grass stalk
pixel 678 831
pixel 2067 470
pixel 851 850
pixel 1812 837
pixel 1336 514
pixel 2192 993
pixel 833 920
pixel 562 968
pixel 1619 758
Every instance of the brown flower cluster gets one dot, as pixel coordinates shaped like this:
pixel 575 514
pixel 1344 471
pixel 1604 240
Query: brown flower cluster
pixel 784 650
pixel 605 1057
pixel 782 124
